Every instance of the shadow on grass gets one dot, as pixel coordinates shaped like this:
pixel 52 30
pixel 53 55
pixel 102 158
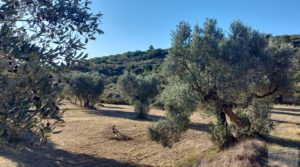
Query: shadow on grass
pixel 132 116
pixel 112 107
pixel 285 113
pixel 286 109
pixel 287 122
pixel 49 156
pixel 280 141
pixel 124 114
pixel 199 127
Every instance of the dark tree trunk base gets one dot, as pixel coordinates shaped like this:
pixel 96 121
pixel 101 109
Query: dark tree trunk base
pixel 230 139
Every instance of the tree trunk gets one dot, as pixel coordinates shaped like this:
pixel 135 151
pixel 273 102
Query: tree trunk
pixel 233 118
pixel 222 107
pixel 87 103
pixel 80 101
pixel 221 117
pixel 229 138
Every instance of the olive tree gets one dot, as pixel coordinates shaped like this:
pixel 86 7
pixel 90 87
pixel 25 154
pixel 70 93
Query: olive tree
pixel 39 39
pixel 139 91
pixel 87 88
pixel 230 75
pixel 296 77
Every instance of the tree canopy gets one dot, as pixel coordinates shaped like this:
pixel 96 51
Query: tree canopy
pixel 87 87
pixel 139 91
pixel 38 39
pixel 225 73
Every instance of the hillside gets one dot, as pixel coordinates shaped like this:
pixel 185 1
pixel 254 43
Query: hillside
pixel 111 67
pixel 139 63
pixel 293 39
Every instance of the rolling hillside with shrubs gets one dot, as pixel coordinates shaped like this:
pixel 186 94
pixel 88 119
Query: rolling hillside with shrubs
pixel 112 67
pixel 140 63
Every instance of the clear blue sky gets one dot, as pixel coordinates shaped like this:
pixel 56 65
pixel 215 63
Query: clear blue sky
pixel 131 25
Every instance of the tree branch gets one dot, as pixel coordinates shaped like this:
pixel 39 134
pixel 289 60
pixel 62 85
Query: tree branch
pixel 267 94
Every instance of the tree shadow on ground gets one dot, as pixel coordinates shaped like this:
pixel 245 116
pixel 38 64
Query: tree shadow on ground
pixel 132 116
pixel 199 127
pixel 286 109
pixel 287 122
pixel 124 114
pixel 112 107
pixel 285 113
pixel 281 141
pixel 49 156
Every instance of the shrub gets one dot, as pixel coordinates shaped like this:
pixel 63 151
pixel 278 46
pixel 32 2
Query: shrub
pixel 221 136
pixel 178 102
pixel 256 119
pixel 167 132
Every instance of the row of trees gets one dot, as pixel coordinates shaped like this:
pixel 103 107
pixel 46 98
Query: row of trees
pixel 88 87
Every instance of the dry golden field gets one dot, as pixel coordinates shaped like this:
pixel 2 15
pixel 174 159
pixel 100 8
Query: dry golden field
pixel 87 139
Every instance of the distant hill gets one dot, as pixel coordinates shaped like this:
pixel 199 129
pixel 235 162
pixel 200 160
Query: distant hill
pixel 112 67
pixel 293 39
pixel 141 62
pixel 138 62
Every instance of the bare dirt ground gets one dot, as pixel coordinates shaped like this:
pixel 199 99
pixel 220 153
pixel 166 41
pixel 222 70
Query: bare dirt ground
pixel 87 139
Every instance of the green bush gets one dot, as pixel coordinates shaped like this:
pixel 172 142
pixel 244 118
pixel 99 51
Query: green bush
pixel 256 119
pixel 112 95
pixel 141 108
pixel 167 132
pixel 221 136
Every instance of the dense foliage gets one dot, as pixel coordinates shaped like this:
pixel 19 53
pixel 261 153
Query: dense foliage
pixel 141 63
pixel 38 39
pixel 139 90
pixel 227 74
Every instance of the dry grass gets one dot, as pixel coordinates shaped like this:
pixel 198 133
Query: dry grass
pixel 245 154
pixel 283 141
pixel 87 140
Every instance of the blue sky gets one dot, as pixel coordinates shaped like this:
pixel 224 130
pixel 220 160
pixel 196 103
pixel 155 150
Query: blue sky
pixel 131 25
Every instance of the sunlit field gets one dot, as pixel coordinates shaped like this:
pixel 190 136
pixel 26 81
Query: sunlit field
pixel 87 139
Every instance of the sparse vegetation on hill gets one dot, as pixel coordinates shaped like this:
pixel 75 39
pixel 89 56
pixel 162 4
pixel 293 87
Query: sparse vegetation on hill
pixel 140 63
